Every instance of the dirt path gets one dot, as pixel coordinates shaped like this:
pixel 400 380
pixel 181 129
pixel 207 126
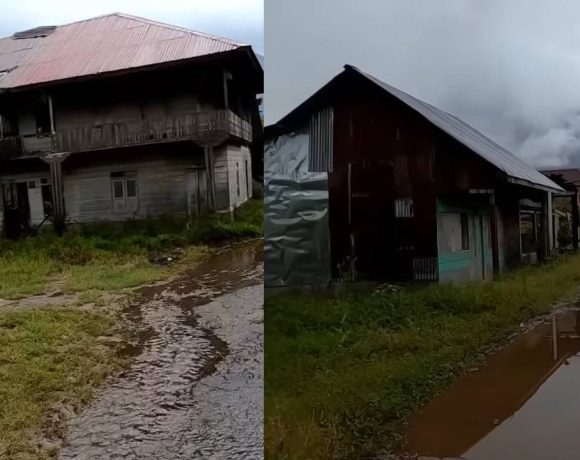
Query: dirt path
pixel 195 388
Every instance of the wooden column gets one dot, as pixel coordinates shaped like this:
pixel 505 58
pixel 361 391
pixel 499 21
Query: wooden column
pixel 494 236
pixel 52 125
pixel 210 175
pixel 575 220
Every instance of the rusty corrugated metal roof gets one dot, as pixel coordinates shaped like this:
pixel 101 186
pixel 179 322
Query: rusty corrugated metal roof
pixel 103 44
pixel 453 126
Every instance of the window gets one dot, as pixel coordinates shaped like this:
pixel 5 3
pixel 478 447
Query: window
pixel 464 232
pixel 528 232
pixel 131 188
pixel 404 207
pixel 118 189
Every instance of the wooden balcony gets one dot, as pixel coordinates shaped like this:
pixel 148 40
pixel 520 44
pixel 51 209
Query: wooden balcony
pixel 11 147
pixel 204 128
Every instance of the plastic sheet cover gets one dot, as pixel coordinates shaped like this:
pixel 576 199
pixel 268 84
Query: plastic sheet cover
pixel 297 243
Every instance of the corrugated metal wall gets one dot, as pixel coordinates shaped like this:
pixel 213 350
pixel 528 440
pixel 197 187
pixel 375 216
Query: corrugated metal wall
pixel 320 151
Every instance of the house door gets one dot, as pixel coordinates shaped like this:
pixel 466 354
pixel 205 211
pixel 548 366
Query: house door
pixel 196 190
pixel 16 209
pixel 125 196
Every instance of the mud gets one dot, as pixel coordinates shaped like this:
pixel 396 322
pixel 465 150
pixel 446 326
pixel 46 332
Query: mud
pixel 523 404
pixel 195 387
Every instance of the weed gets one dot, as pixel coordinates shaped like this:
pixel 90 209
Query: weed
pixel 342 374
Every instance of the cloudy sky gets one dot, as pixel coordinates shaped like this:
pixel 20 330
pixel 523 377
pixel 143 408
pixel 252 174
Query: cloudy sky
pixel 240 20
pixel 509 68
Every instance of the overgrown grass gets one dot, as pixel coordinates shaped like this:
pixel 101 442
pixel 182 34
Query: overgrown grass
pixel 49 360
pixel 343 374
pixel 113 256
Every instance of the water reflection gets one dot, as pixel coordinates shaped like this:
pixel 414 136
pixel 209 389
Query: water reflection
pixel 514 406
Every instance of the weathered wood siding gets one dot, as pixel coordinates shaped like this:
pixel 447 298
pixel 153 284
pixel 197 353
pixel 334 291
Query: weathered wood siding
pixel 230 164
pixel 160 183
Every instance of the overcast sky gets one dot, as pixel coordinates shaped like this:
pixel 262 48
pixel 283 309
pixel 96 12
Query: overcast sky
pixel 509 68
pixel 240 20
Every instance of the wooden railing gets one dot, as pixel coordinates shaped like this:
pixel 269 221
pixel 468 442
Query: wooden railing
pixel 211 127
pixel 206 128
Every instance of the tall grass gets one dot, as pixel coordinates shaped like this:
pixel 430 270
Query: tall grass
pixel 49 359
pixel 112 256
pixel 343 374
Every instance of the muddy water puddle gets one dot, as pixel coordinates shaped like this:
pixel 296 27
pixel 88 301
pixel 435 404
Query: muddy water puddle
pixel 195 386
pixel 523 404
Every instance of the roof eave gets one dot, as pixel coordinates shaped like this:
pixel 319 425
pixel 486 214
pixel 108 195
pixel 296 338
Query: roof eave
pixel 525 183
pixel 245 49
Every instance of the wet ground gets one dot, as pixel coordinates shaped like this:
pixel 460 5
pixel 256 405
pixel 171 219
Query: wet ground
pixel 523 404
pixel 195 388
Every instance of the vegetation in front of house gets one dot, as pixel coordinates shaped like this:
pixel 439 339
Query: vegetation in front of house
pixel 52 358
pixel 342 374
pixel 115 256
pixel 50 362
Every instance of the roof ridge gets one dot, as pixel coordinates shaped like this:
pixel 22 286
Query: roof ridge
pixel 174 27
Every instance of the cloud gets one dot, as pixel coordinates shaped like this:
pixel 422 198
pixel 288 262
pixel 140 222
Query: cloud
pixel 511 69
pixel 241 20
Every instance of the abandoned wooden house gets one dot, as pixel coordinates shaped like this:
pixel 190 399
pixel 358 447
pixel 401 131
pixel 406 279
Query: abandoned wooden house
pixel 119 117
pixel 364 180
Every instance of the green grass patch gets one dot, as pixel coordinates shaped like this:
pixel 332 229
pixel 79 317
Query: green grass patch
pixel 109 256
pixel 49 358
pixel 342 374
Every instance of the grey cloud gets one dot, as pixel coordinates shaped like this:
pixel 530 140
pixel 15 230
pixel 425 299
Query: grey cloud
pixel 512 69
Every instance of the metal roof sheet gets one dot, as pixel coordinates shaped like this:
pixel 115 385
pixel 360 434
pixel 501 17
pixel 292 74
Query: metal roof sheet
pixel 481 145
pixel 468 136
pixel 103 44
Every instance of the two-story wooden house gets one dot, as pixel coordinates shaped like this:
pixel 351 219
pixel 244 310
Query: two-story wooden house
pixel 119 117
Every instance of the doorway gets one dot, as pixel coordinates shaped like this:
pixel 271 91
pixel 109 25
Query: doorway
pixel 16 209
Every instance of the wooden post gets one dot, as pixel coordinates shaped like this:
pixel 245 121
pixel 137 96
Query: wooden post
pixel 550 223
pixel 226 96
pixel 575 220
pixel 210 176
pixel 51 114
pixel 1 127
pixel 494 236
pixel 52 126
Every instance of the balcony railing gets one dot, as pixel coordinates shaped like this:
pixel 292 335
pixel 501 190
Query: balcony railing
pixel 205 128
pixel 10 147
